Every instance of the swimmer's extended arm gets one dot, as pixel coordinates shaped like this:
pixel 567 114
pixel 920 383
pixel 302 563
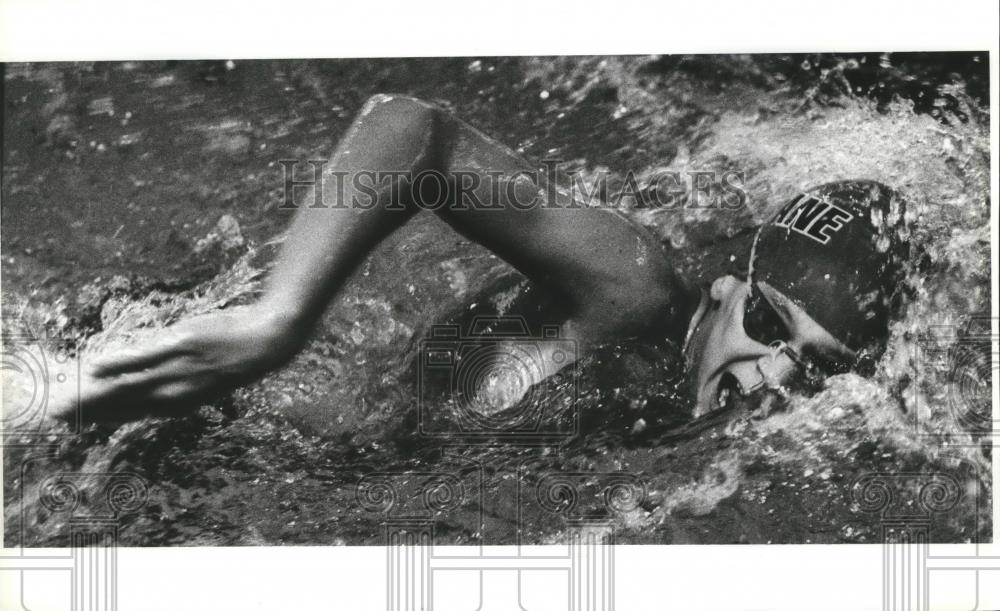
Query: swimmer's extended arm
pixel 610 273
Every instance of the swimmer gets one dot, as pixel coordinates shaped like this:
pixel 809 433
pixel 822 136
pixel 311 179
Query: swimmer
pixel 815 294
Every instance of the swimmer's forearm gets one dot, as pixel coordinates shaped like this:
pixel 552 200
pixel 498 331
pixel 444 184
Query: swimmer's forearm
pixel 325 245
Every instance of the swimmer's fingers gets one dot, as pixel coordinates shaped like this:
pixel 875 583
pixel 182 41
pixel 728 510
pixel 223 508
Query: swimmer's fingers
pixel 135 359
pixel 97 399
pixel 132 395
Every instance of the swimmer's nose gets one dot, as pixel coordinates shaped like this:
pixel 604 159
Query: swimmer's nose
pixel 747 375
pixel 776 368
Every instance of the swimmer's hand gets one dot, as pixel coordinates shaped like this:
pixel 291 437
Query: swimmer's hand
pixel 188 363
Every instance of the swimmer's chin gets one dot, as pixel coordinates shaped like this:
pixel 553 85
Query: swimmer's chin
pixel 760 403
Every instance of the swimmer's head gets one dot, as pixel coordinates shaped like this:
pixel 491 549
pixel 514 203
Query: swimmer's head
pixel 822 280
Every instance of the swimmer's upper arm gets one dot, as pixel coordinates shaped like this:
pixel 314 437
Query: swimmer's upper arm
pixel 613 271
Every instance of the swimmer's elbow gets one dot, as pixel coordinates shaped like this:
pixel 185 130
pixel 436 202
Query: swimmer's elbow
pixel 648 310
pixel 397 104
pixel 627 312
pixel 403 128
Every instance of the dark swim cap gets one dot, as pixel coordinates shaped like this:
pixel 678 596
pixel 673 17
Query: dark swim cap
pixel 838 250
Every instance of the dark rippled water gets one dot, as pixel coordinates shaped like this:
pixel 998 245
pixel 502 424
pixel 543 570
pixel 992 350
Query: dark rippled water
pixel 116 177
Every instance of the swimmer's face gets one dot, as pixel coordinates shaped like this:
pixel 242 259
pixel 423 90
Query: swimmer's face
pixel 748 340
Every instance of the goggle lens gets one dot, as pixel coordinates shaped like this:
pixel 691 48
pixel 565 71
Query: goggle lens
pixel 761 322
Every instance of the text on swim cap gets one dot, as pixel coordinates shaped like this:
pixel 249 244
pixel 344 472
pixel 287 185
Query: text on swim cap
pixel 813 218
